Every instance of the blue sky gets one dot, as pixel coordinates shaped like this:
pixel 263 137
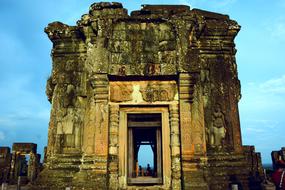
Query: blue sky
pixel 26 64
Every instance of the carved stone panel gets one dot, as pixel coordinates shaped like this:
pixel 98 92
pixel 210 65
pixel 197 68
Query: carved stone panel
pixel 89 128
pixel 101 134
pixel 185 124
pixel 143 91
pixel 65 126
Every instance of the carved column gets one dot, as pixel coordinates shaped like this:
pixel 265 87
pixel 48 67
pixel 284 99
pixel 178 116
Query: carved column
pixel 175 147
pixel 113 146
pixel 100 86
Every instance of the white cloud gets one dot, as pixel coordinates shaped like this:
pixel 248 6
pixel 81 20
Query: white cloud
pixel 260 126
pixel 276 27
pixel 276 85
pixel 264 96
pixel 281 3
pixel 265 123
pixel 2 136
pixel 17 118
pixel 186 2
pixel 225 3
pixel 261 107
pixel 44 114
pixel 7 121
pixel 255 130
pixel 279 30
pixel 73 17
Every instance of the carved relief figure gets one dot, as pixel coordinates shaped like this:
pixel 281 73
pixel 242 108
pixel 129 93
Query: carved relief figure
pixel 154 92
pixel 137 95
pixel 164 95
pixel 68 130
pixel 218 128
pixel 152 69
pixel 65 126
pixel 121 91
pixel 122 71
pixel 69 97
pixel 205 80
pixel 103 111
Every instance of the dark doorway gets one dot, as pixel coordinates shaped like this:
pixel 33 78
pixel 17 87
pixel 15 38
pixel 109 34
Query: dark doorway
pixel 144 130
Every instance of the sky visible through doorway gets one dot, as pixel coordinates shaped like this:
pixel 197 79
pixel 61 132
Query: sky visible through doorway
pixel 145 156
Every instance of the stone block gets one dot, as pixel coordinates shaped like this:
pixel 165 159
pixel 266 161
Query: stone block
pixel 167 45
pixel 149 58
pixel 119 35
pixel 135 35
pixel 116 58
pixel 120 26
pixel 150 46
pixel 120 46
pixel 167 57
pixel 166 36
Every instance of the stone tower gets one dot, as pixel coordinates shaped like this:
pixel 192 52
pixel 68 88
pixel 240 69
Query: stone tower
pixel 164 76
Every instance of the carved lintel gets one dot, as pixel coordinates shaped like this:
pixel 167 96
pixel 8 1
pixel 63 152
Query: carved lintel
pixel 139 91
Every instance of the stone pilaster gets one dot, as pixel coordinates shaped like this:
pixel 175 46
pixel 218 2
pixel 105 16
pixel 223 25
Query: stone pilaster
pixel 113 146
pixel 100 90
pixel 192 132
pixel 185 97
pixel 197 127
pixel 175 147
pixel 94 162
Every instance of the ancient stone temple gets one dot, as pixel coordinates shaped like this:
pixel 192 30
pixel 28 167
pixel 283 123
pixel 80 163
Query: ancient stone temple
pixel 165 77
pixel 23 162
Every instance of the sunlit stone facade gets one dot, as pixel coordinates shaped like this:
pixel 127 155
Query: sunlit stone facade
pixel 165 76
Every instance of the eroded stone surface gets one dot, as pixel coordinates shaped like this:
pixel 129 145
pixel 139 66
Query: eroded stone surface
pixel 162 56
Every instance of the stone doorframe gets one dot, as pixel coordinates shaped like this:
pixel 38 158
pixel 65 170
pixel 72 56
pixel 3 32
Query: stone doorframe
pixel 170 141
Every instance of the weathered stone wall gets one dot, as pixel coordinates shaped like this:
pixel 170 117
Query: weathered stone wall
pixel 158 56
pixel 5 164
pixel 277 155
pixel 14 164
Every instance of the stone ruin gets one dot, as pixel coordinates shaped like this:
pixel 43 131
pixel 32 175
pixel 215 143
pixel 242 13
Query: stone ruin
pixel 5 164
pixel 164 76
pixel 23 161
pixel 277 155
